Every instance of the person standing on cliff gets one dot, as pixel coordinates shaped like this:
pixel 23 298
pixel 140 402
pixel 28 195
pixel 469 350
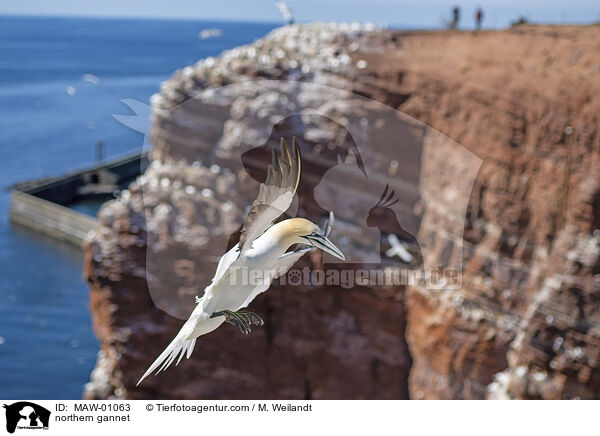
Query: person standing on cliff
pixel 478 19
pixel 455 17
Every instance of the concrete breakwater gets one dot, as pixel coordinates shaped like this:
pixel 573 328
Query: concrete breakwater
pixel 43 205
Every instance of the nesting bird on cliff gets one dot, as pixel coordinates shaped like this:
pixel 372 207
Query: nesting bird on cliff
pixel 263 247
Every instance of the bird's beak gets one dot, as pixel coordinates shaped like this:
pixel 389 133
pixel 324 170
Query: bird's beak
pixel 326 245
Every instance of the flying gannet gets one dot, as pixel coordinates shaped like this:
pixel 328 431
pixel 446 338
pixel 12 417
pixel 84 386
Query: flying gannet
pixel 263 247
pixel 285 11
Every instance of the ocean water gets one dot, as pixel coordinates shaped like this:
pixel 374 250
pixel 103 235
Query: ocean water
pixel 50 119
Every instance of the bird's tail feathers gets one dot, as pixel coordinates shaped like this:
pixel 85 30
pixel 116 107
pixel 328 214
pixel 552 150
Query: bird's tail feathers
pixel 181 345
pixel 199 323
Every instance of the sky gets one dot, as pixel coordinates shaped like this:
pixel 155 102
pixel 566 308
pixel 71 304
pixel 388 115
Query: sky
pixel 404 13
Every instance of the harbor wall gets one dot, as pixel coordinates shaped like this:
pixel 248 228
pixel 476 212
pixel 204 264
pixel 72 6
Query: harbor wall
pixel 42 205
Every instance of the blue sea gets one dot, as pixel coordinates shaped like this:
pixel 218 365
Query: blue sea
pixel 50 119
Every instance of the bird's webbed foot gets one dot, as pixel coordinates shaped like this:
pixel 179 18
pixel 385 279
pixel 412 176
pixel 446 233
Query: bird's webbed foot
pixel 242 319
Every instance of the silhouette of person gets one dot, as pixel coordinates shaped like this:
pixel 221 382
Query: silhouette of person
pixel 455 17
pixel 478 18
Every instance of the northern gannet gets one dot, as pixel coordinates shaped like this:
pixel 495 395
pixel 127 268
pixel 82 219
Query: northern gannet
pixel 263 247
pixel 402 244
pixel 285 11
pixel 398 249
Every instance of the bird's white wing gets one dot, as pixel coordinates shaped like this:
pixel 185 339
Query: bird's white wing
pixel 238 292
pixel 283 264
pixel 225 262
pixel 274 195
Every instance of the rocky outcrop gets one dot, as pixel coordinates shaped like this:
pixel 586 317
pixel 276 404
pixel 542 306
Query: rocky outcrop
pixel 524 323
pixel 524 232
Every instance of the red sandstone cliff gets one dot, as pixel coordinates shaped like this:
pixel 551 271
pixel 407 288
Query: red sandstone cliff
pixel 524 323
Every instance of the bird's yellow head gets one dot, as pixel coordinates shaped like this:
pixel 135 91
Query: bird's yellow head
pixel 303 231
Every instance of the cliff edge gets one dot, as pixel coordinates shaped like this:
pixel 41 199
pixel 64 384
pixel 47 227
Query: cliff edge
pixel 525 321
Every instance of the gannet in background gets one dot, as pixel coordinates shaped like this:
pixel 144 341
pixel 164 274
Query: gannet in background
pixel 263 246
pixel 401 242
pixel 398 249
pixel 285 11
